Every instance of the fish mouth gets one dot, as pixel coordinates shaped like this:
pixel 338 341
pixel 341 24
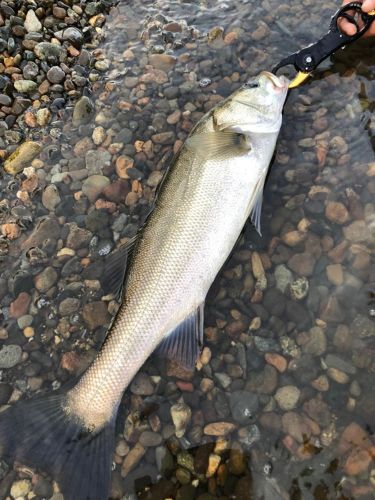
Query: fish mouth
pixel 278 83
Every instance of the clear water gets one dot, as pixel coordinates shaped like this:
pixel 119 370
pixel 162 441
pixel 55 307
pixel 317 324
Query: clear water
pixel 325 155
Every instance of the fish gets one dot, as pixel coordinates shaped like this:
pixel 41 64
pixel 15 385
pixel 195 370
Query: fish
pixel 214 184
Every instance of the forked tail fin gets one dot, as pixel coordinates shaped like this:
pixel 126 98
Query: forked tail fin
pixel 41 433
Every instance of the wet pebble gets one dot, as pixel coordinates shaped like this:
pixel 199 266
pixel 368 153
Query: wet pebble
pixel 181 416
pixel 10 355
pixel 287 397
pixel 243 406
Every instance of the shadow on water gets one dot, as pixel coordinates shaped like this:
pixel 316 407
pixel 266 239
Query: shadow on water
pixel 288 369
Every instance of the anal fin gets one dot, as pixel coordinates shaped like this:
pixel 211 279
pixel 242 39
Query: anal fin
pixel 184 343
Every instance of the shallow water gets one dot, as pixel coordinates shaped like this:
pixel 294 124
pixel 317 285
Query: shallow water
pixel 311 329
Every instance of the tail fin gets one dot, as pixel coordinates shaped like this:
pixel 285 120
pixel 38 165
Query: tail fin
pixel 40 433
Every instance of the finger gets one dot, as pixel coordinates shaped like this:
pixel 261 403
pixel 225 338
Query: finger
pixel 347 27
pixel 368 5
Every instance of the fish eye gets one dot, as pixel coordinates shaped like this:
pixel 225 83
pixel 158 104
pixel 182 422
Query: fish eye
pixel 251 85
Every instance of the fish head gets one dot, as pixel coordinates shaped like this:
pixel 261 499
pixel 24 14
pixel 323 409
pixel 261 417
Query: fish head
pixel 256 107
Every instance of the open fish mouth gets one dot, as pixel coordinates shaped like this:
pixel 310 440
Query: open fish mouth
pixel 279 83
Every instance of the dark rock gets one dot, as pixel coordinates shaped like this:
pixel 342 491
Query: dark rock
pixel 243 406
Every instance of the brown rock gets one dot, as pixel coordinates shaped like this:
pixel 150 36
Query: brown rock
pixel 74 363
pixel 132 459
pixel 11 230
pixel 357 462
pixel 331 311
pixel 271 421
pixel 117 191
pixel 276 360
pixel 353 435
pixel 219 429
pixel 20 305
pixel 318 410
pixel 165 62
pixel 46 228
pixel 260 32
pixel 302 264
pixel 95 314
pixel 77 237
pixel 157 76
pixel 337 212
pixel 230 38
pixel 335 274
pixel 163 138
pixel 293 238
pixel 338 253
pixel 178 371
pixel 237 460
pixel 296 426
pixel 123 163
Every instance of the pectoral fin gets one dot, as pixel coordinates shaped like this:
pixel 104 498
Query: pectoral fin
pixel 114 272
pixel 218 143
pixel 184 343
pixel 256 204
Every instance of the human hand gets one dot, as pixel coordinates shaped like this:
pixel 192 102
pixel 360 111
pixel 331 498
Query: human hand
pixel 349 29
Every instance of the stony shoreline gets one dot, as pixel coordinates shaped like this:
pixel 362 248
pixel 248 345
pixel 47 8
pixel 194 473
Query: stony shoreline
pixel 284 384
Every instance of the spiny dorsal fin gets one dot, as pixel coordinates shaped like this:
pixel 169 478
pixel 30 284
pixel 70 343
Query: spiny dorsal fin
pixel 184 343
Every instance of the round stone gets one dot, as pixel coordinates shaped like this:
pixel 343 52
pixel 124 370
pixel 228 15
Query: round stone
pixel 287 397
pixel 55 74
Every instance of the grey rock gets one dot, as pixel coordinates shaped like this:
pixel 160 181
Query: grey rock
pixel 223 379
pixel 25 321
pixel 83 111
pixel 69 306
pixel 149 438
pixel 55 74
pixel 74 36
pixel 51 197
pixel 94 185
pixel 243 406
pixel 96 160
pixel 30 70
pixel 316 342
pixel 77 236
pixel 363 327
pixel 164 459
pixel 50 51
pixel 333 361
pixel 5 100
pixel 283 276
pixel 142 385
pixel 10 355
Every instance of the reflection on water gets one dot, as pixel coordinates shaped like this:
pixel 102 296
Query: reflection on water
pixel 281 404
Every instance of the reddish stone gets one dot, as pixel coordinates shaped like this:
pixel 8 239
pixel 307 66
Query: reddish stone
pixel 185 386
pixel 20 306
pixel 117 191
pixel 357 462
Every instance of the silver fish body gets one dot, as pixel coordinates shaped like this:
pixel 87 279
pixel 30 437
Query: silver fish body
pixel 214 184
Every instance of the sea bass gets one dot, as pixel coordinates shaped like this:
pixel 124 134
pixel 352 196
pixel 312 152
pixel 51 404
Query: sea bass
pixel 214 184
